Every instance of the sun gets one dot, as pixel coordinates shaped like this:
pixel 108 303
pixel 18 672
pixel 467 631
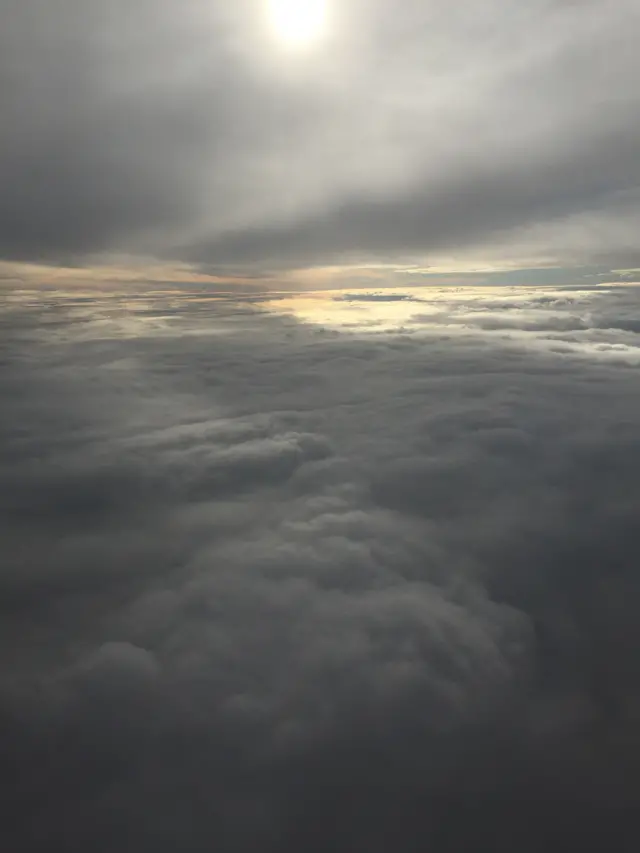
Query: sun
pixel 297 23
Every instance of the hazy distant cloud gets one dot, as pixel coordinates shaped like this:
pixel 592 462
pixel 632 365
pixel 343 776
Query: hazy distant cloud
pixel 269 586
pixel 376 297
pixel 482 203
pixel 189 134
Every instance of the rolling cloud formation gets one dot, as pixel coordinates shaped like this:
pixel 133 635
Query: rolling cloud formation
pixel 350 584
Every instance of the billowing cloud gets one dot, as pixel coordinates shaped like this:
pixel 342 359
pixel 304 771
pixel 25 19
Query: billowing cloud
pixel 361 583
pixel 186 132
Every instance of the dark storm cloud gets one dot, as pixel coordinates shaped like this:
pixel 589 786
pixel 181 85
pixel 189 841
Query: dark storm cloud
pixel 269 587
pixel 185 131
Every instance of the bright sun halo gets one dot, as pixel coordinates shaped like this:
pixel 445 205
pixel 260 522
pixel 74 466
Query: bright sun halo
pixel 298 22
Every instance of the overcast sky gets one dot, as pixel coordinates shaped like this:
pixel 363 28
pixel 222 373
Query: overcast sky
pixel 194 134
pixel 305 547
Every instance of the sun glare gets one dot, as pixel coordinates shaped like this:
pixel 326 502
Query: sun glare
pixel 298 23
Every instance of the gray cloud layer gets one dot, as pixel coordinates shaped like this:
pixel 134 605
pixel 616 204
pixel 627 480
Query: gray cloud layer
pixel 184 131
pixel 269 586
